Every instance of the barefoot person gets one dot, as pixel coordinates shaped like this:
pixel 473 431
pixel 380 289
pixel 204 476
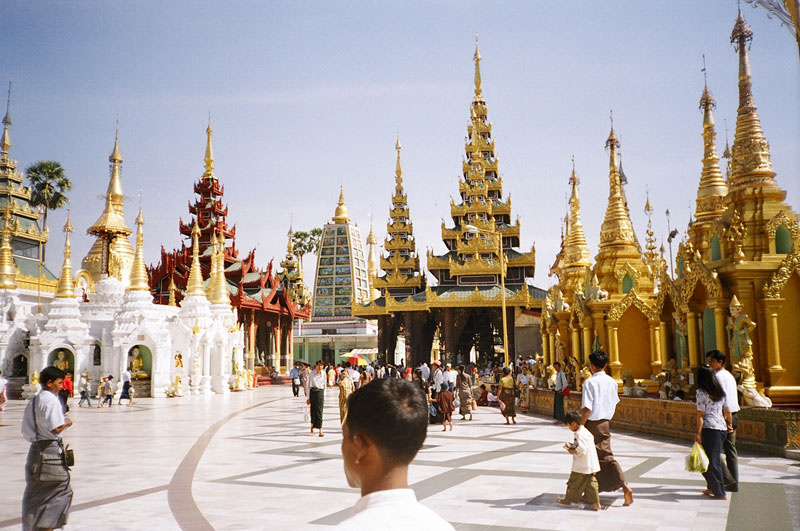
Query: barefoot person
pixel 317 382
pixel 386 424
pixel 600 400
pixel 46 501
pixel 582 485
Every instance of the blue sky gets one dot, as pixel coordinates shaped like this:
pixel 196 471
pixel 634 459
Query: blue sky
pixel 308 96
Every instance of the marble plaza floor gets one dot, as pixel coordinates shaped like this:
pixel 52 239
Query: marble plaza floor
pixel 246 461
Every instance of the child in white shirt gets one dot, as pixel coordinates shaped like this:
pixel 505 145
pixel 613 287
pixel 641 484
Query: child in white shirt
pixel 582 484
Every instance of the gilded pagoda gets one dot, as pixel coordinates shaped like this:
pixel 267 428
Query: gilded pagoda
pixel 737 285
pixel 267 302
pixel 465 307
pixel 21 224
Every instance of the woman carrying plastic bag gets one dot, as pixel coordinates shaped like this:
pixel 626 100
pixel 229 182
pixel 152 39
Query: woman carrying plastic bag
pixel 713 422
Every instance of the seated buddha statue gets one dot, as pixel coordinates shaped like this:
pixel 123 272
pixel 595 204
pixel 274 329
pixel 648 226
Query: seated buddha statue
pixel 137 364
pixel 61 362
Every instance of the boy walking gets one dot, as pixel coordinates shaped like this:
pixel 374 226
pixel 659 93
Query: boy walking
pixel 582 485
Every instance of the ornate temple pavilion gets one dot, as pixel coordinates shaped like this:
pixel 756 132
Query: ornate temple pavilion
pixel 737 287
pixel 267 302
pixel 481 269
pixel 26 234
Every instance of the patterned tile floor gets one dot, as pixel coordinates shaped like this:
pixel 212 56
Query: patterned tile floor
pixel 246 461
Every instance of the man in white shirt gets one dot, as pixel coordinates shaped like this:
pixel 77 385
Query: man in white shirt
pixel 386 424
pixel 599 402
pixel 450 378
pixel 426 372
pixel 730 472
pixel 558 393
pixel 45 504
pixel 438 378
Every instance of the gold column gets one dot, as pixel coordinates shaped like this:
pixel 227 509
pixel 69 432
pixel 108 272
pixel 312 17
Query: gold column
pixel 587 342
pixel 250 362
pixel 613 347
pixel 775 368
pixel 552 343
pixel 720 314
pixel 290 350
pixel 576 344
pixel 545 346
pixel 655 345
pixel 691 321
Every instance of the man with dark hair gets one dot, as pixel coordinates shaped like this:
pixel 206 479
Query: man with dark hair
pixel 730 472
pixel 45 504
pixel 386 424
pixel 600 398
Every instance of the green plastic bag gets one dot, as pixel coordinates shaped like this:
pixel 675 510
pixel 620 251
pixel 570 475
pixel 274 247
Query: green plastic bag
pixel 697 460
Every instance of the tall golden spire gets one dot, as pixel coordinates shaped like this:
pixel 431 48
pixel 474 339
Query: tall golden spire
pixel 218 283
pixel 750 163
pixel 5 140
pixel 66 286
pixel 342 215
pixel 194 286
pixel 139 281
pixel 112 220
pixel 8 271
pixel 209 157
pixel 172 288
pixel 576 250
pixel 617 227
pixel 712 189
pixel 477 59
pixel 212 273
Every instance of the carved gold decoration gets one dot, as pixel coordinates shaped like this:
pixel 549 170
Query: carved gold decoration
pixel 630 299
pixel 787 220
pixel 778 279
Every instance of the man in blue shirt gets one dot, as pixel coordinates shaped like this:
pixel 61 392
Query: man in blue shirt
pixel 294 374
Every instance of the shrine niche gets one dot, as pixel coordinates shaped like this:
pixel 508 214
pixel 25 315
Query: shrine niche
pixel 19 366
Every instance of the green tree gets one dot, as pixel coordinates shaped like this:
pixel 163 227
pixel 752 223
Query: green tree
pixel 48 187
pixel 306 242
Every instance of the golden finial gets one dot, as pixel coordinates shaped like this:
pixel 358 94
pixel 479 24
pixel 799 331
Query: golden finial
pixel 139 281
pixel 750 165
pixel 477 59
pixel 5 140
pixel 116 156
pixel 194 286
pixel 712 188
pixel 341 215
pixel 172 289
pixel 112 220
pixel 576 250
pixel 398 171
pixel 209 157
pixel 8 271
pixel 66 286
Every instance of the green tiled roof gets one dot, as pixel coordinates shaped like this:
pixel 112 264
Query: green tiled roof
pixel 30 268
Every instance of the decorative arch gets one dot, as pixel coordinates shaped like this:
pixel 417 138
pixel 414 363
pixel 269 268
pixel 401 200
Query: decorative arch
pixel 779 278
pixel 700 273
pixel 631 299
pixel 782 219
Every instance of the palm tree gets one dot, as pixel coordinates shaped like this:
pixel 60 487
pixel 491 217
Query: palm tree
pixel 306 242
pixel 48 184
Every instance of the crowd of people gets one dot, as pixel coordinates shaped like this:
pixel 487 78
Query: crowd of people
pixel 385 411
